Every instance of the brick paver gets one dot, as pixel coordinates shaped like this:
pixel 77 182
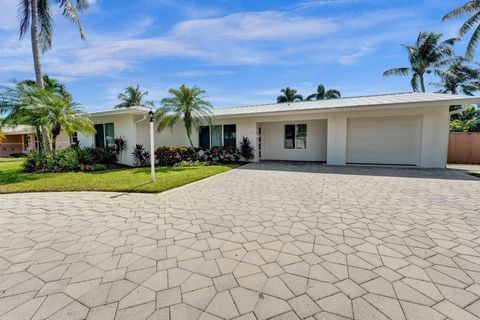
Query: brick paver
pixel 267 241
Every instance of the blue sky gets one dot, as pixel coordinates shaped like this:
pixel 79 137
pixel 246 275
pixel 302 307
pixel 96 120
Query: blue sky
pixel 240 51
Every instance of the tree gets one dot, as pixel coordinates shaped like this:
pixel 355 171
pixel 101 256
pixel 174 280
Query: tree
pixel 46 110
pixel 186 104
pixel 133 97
pixel 472 9
pixel 426 56
pixel 323 94
pixel 289 95
pixel 52 85
pixel 37 13
pixel 459 78
pixel 2 136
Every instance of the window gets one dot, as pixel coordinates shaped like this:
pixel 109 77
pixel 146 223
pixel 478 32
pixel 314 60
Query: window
pixel 217 136
pixel 230 135
pixel 204 137
pixel 105 134
pixel 295 136
pixel 74 139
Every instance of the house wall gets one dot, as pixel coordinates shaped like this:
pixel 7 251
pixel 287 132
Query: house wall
pixel 273 141
pixel 124 127
pixel 326 135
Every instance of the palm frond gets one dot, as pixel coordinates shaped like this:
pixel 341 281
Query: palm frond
pixel 24 15
pixel 396 72
pixel 46 28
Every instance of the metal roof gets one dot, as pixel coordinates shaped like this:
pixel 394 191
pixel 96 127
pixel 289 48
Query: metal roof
pixel 407 99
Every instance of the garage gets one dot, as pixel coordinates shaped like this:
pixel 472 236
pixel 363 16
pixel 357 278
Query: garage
pixel 384 140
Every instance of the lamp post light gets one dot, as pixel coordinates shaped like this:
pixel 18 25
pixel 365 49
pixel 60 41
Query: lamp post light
pixel 152 147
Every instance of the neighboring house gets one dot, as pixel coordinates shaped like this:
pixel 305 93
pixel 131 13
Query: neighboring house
pixel 398 129
pixel 23 139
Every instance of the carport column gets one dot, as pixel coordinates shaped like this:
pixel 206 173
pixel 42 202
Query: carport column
pixel 337 139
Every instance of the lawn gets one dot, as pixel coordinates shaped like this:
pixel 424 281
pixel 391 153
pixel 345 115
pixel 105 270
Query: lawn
pixel 13 179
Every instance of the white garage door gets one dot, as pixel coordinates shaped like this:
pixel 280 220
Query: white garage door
pixel 384 140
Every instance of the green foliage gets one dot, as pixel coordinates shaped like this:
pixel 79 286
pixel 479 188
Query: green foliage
pixel 220 155
pixel 133 97
pixel 246 149
pixel 69 159
pixel 169 156
pixel 141 157
pixel 466 121
pixel 186 104
pixel 17 155
pixel 461 77
pixel 426 56
pixel 289 95
pixel 45 18
pixel 323 94
pixel 62 160
pixel 472 9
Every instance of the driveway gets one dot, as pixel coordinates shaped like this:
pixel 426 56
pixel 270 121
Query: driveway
pixel 269 240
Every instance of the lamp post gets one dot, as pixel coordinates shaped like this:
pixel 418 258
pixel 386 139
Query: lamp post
pixel 152 147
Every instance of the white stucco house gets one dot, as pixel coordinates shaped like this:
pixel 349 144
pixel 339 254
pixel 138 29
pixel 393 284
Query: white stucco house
pixel 395 129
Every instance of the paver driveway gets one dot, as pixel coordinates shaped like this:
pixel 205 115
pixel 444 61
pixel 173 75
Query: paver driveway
pixel 268 240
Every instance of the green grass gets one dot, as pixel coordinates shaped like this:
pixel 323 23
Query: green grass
pixel 13 179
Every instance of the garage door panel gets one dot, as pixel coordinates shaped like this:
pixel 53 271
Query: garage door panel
pixel 384 140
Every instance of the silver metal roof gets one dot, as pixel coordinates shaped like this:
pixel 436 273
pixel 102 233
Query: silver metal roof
pixel 406 99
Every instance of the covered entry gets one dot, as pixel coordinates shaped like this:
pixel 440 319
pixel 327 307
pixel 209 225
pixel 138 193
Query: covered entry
pixel 384 140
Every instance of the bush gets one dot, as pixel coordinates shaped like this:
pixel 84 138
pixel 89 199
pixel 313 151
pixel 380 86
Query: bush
pixel 141 157
pixel 246 149
pixel 169 156
pixel 220 155
pixel 70 159
pixel 62 160
pixel 105 155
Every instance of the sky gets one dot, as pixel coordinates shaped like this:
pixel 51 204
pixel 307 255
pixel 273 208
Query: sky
pixel 240 52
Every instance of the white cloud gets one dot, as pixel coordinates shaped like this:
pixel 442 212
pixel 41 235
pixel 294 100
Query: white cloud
pixel 268 38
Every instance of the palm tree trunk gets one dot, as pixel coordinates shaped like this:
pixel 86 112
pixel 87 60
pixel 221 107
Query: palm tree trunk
pixel 422 82
pixel 191 143
pixel 35 49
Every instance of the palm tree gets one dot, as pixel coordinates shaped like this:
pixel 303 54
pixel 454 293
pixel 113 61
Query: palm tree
pixel 133 97
pixel 323 94
pixel 185 104
pixel 46 110
pixel 472 9
pixel 425 57
pixel 459 78
pixel 52 85
pixel 35 14
pixel 289 95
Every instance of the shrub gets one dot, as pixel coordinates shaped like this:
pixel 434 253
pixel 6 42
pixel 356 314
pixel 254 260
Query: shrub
pixel 105 155
pixel 120 146
pixel 56 161
pixel 85 155
pixel 220 155
pixel 141 156
pixel 246 149
pixel 169 156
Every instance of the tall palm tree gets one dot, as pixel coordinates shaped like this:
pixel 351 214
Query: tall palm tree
pixel 323 94
pixel 472 9
pixel 35 14
pixel 459 78
pixel 289 95
pixel 133 97
pixel 186 104
pixel 426 56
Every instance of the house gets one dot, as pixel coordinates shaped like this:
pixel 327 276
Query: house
pixel 22 139
pixel 395 129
